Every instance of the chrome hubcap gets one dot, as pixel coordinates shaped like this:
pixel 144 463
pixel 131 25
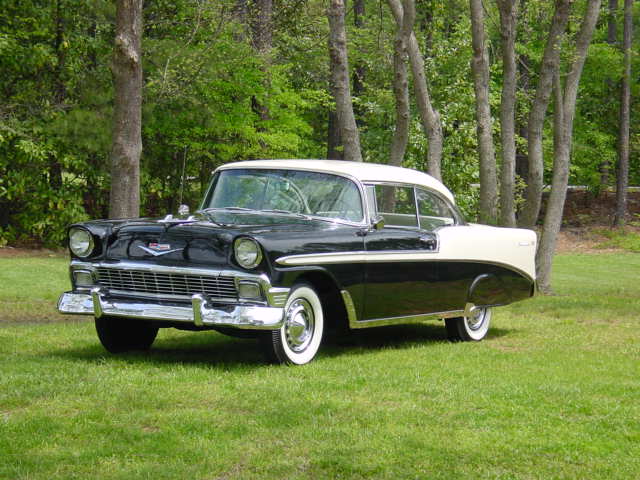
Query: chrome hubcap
pixel 476 319
pixel 299 324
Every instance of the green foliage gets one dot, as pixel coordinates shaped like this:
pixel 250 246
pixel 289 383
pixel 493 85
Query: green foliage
pixel 622 238
pixel 210 98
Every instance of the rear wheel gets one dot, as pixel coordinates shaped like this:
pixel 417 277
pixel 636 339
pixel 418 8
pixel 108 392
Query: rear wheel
pixel 469 329
pixel 298 340
pixel 123 334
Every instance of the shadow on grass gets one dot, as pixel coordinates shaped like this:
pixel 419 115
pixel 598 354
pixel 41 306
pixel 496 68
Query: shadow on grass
pixel 394 337
pixel 214 349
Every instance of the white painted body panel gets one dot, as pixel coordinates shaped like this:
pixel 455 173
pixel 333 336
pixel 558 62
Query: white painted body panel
pixel 514 247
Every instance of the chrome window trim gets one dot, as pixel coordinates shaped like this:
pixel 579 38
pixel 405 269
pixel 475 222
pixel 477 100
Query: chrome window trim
pixel 458 219
pixel 355 180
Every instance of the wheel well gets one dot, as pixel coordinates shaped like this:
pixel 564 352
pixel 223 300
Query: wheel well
pixel 332 304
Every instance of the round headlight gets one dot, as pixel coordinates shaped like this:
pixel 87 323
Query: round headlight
pixel 80 242
pixel 248 252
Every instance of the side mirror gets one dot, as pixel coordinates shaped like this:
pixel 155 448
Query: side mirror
pixel 183 210
pixel 377 222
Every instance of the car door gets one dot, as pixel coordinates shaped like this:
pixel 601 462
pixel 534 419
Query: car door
pixel 436 216
pixel 400 281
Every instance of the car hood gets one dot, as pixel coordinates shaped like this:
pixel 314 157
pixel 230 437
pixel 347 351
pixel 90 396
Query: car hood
pixel 203 238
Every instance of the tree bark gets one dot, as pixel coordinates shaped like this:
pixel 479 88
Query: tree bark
pixel 124 200
pixel 622 181
pixel 508 24
pixel 564 113
pixel 341 90
pixel 522 164
pixel 261 25
pixel 550 63
pixel 261 22
pixel 480 69
pixel 334 152
pixel 429 116
pixel 359 70
pixel 240 14
pixel 612 39
pixel 401 84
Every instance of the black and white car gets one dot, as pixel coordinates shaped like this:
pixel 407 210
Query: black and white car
pixel 285 249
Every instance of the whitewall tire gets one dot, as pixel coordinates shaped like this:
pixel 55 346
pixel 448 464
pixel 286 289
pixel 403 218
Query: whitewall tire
pixel 298 340
pixel 472 328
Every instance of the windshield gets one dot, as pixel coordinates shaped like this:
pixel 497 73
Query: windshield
pixel 287 191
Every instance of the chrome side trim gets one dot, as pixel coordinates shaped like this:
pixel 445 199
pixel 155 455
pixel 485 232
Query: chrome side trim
pixel 381 322
pixel 380 256
pixel 277 296
pixel 352 315
pixel 357 257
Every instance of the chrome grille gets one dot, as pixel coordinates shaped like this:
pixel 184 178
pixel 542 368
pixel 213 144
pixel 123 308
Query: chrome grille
pixel 175 284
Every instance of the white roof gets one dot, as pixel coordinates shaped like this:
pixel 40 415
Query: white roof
pixel 365 172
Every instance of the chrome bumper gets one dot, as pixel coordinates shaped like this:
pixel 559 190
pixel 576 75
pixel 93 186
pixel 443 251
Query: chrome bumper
pixel 200 313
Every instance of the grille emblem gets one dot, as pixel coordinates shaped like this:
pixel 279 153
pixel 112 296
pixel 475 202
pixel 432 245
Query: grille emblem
pixel 157 249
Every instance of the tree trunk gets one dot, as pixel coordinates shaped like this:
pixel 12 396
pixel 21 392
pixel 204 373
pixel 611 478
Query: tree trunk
pixel 508 22
pixel 261 14
pixel 340 82
pixel 60 89
pixel 126 67
pixel 612 39
pixel 359 70
pixel 240 13
pixel 334 152
pixel 550 62
pixel 622 182
pixel 564 112
pixel 401 84
pixel 522 165
pixel 480 69
pixel 261 25
pixel 429 117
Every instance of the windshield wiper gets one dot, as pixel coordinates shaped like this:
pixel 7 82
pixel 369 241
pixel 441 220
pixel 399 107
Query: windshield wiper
pixel 241 209
pixel 286 212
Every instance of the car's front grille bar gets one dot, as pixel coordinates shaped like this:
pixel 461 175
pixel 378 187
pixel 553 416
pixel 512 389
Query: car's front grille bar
pixel 175 284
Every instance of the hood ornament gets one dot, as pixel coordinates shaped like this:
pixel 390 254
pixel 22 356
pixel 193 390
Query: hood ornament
pixel 158 249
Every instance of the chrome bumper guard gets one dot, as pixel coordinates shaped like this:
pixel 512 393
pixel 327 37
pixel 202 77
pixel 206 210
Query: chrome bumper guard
pixel 200 313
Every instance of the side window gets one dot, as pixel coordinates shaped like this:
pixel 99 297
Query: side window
pixel 397 205
pixel 434 212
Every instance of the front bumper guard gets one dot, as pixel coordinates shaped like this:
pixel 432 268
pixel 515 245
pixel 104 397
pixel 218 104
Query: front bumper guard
pixel 200 313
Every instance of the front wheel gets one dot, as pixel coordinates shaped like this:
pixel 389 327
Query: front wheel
pixel 298 340
pixel 469 329
pixel 123 334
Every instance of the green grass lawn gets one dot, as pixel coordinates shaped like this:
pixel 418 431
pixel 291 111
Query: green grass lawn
pixel 554 392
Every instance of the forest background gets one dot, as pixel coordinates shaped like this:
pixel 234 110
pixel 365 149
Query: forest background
pixel 225 81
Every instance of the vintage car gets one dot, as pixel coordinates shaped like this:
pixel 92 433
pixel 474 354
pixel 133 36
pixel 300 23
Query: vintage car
pixel 285 250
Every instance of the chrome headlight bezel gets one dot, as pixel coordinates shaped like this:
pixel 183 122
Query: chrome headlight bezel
pixel 81 247
pixel 248 259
